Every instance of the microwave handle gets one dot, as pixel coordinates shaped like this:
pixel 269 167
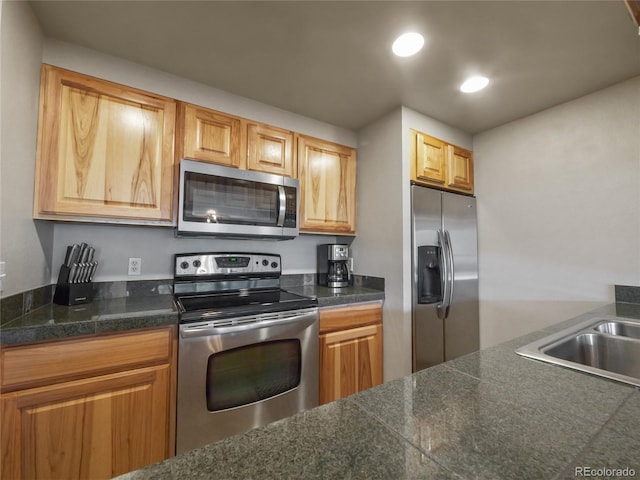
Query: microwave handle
pixel 282 204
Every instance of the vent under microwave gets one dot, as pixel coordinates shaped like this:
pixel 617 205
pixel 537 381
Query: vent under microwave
pixel 228 202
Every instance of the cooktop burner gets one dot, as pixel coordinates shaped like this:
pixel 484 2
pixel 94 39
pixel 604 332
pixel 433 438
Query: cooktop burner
pixel 228 304
pixel 225 285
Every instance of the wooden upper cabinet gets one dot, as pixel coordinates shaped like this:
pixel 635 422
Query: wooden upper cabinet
pixel 327 174
pixel 210 136
pixel 270 149
pixel 104 151
pixel 429 155
pixel 459 169
pixel 215 137
pixel 438 164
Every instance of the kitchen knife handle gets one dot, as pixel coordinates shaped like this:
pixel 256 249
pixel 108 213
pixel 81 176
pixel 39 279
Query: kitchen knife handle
pixel 72 272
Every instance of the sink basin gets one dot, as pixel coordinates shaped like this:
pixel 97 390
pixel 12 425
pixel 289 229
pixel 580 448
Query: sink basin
pixel 605 346
pixel 600 351
pixel 623 329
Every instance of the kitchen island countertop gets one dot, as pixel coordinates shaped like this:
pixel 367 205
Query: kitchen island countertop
pixel 488 415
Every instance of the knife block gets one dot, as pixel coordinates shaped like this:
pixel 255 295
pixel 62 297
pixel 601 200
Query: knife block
pixel 71 293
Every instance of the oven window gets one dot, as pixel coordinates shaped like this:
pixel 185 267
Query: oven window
pixel 212 199
pixel 252 373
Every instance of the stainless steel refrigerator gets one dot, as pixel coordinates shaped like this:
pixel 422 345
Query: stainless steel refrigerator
pixel 445 322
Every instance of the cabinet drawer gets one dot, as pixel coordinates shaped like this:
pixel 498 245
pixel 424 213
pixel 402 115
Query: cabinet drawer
pixel 33 365
pixel 355 315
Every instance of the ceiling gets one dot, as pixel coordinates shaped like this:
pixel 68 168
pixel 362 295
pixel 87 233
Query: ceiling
pixel 332 61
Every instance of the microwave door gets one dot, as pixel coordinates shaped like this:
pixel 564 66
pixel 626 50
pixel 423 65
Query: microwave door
pixel 221 201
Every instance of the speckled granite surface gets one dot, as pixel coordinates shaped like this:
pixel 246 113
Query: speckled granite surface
pixel 328 297
pixel 111 315
pixel 124 306
pixel 488 415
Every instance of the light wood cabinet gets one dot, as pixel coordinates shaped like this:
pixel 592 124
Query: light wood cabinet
pixel 270 149
pixel 438 164
pixel 108 407
pixel 350 350
pixel 105 151
pixel 459 169
pixel 327 174
pixel 215 137
pixel 210 136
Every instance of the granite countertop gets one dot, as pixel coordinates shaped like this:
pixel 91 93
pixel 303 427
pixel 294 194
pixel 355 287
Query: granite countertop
pixel 117 314
pixel 328 297
pixel 53 321
pixel 488 415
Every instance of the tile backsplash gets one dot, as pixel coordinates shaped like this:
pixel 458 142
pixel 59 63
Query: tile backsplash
pixel 627 294
pixel 21 303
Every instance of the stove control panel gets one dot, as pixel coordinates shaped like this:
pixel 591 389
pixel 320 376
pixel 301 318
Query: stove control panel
pixel 206 264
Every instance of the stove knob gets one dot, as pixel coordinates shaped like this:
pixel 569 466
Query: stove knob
pixel 265 262
pixel 274 264
pixel 184 265
pixel 197 263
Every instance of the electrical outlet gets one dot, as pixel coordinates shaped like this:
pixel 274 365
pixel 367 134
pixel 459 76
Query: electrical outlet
pixel 135 266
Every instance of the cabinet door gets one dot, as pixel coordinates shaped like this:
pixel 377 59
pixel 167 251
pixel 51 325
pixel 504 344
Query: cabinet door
pixel 104 150
pixel 459 169
pixel 327 174
pixel 350 361
pixel 93 428
pixel 211 136
pixel 270 149
pixel 428 161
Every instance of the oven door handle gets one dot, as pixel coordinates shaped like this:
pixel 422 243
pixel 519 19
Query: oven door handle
pixel 304 318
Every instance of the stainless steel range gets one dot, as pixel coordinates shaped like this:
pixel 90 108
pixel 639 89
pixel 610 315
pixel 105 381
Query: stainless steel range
pixel 248 352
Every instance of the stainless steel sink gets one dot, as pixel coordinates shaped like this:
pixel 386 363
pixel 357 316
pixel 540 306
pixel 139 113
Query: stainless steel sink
pixel 604 346
pixel 623 329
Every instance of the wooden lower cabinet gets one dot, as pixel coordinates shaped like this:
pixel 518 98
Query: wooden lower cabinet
pixel 95 427
pixel 350 350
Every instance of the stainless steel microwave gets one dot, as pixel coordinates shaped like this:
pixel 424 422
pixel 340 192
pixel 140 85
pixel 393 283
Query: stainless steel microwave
pixel 228 202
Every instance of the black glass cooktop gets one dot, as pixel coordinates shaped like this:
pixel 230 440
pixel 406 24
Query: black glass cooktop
pixel 237 303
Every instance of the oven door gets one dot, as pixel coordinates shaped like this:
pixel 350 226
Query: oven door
pixel 224 201
pixel 234 378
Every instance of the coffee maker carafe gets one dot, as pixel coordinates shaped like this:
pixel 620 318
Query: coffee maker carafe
pixel 333 265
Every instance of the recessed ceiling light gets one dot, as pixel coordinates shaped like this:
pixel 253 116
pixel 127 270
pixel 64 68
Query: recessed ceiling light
pixel 474 84
pixel 407 44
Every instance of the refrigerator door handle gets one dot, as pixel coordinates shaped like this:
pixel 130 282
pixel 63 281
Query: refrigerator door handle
pixel 451 271
pixel 443 306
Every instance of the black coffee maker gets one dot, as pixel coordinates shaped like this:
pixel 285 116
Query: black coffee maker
pixel 333 265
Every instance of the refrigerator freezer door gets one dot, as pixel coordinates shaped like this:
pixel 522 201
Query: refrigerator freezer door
pixel 461 326
pixel 427 327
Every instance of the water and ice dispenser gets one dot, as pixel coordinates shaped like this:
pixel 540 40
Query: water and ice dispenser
pixel 429 274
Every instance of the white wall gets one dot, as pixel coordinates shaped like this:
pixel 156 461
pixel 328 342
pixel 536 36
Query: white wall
pixel 155 245
pixel 380 231
pixel 558 211
pixel 25 245
pixel 383 245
